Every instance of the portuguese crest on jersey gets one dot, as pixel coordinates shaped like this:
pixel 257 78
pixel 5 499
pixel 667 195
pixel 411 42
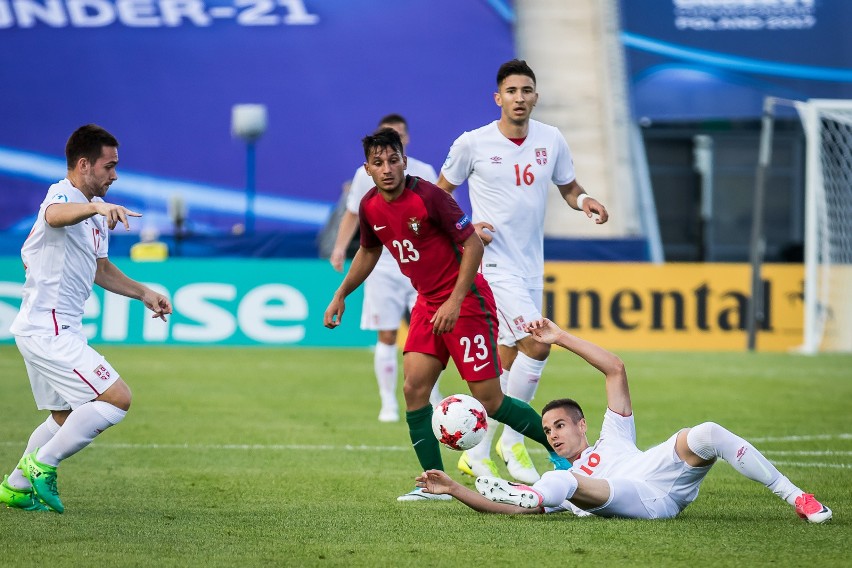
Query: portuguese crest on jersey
pixel 414 225
pixel 541 156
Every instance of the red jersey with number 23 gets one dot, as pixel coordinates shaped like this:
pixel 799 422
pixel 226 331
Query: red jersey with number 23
pixel 423 228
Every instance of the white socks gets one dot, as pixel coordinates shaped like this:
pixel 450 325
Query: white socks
pixel 709 441
pixel 385 365
pixel 556 487
pixel 522 384
pixel 40 436
pixel 78 431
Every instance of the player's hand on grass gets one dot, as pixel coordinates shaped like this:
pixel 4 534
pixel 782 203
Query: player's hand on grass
pixel 115 214
pixel 543 331
pixel 334 313
pixel 481 229
pixel 435 481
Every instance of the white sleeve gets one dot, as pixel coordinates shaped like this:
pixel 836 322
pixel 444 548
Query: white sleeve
pixel 459 163
pixel 563 171
pixel 616 426
pixel 361 184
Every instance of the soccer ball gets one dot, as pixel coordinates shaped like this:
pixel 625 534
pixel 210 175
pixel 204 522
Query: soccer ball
pixel 459 422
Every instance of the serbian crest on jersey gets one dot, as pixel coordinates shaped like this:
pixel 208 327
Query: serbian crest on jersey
pixel 519 323
pixel 541 156
pixel 414 225
pixel 102 372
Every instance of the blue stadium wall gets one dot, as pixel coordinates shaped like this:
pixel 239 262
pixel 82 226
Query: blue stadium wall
pixel 164 76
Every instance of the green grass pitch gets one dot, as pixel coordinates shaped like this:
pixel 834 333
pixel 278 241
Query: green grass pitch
pixel 274 457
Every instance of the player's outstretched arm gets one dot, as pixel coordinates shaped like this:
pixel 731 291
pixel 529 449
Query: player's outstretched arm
pixel 438 482
pixel 109 277
pixel 617 391
pixel 67 214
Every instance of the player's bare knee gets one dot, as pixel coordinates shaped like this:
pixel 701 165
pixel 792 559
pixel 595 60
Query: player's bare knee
pixel 416 393
pixel 533 349
pixel 488 393
pixel 118 395
pixel 60 416
pixel 387 336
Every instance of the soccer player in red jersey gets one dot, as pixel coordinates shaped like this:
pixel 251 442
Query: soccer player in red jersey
pixel 436 246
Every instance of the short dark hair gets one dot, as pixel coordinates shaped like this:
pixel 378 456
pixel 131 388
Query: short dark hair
pixel 382 138
pixel 514 67
pixel 88 142
pixel 393 118
pixel 569 405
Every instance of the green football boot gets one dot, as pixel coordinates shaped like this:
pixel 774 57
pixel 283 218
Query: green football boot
pixel 19 498
pixel 43 478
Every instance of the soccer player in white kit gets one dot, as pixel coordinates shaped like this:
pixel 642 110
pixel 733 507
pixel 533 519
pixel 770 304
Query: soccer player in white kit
pixel 510 165
pixel 388 294
pixel 64 255
pixel 612 477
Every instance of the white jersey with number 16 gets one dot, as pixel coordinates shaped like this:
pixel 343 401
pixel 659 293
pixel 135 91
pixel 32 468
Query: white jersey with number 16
pixel 508 186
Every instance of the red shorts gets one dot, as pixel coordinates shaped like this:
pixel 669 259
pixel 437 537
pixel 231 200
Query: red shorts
pixel 472 343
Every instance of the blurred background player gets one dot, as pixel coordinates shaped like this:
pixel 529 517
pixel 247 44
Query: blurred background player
pixel 454 316
pixel 614 478
pixel 388 294
pixel 509 165
pixel 64 255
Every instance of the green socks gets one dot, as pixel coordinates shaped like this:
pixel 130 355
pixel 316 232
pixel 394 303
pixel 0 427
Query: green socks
pixel 425 444
pixel 522 418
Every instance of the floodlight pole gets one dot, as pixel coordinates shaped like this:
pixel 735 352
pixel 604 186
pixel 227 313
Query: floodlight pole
pixel 248 122
pixel 250 187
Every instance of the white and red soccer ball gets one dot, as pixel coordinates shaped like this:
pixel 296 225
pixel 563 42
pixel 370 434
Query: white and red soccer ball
pixel 459 422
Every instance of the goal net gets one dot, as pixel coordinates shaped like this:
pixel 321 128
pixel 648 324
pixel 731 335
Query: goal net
pixel 828 224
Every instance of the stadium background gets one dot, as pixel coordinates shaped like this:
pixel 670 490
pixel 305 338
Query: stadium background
pixel 163 77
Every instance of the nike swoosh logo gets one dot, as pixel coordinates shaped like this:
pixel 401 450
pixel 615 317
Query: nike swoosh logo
pixel 480 367
pixel 377 228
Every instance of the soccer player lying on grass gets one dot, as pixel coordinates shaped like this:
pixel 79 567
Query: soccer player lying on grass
pixel 613 478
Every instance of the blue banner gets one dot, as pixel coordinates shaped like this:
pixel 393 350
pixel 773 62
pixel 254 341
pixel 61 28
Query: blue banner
pixel 704 59
pixel 163 76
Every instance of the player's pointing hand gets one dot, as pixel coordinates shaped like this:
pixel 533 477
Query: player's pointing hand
pixel 115 214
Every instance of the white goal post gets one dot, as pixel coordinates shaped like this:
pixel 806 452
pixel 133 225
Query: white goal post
pixel 828 224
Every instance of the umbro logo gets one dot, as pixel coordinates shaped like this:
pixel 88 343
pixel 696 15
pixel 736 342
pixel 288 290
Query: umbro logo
pixel 480 367
pixel 378 228
pixel 496 160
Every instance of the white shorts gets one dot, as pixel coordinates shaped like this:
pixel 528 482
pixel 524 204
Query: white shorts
pixel 660 486
pixel 388 295
pixel 64 371
pixel 518 303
